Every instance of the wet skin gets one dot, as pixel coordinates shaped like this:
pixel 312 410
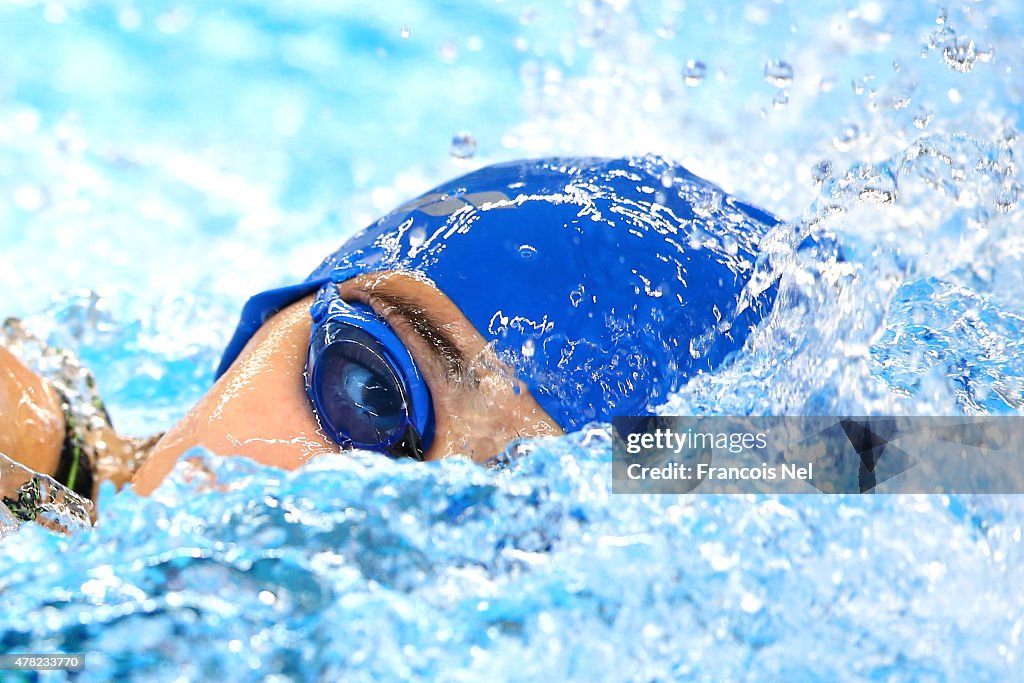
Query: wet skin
pixel 31 421
pixel 259 408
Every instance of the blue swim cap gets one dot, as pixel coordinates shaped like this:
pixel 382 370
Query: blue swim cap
pixel 605 283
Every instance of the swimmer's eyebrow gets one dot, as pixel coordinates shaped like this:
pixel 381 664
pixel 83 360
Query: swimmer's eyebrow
pixel 424 324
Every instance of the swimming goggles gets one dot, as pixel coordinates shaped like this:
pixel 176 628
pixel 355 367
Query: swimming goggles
pixel 363 383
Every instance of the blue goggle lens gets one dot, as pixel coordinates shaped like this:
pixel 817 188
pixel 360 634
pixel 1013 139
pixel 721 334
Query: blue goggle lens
pixel 360 396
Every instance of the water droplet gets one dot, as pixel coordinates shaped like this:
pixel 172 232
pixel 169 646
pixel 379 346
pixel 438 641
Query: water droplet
pixel 651 101
pixel 778 73
pixel 780 100
pixel 900 101
pixel 404 33
pixel 1006 198
pixel 940 37
pixel 750 603
pixel 922 118
pixel 941 17
pixel 449 52
pixel 877 195
pixel 576 296
pixel 985 54
pixel 879 185
pixel 707 203
pixel 417 236
pixel 463 146
pixel 30 198
pixel 529 348
pixel 129 18
pixel 527 252
pixel 173 21
pixel 694 73
pixel 960 55
pixel 27 121
pixel 848 134
pixel 822 171
pixel 696 239
pixel 668 178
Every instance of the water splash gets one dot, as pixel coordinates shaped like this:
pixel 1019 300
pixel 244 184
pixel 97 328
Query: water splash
pixel 900 276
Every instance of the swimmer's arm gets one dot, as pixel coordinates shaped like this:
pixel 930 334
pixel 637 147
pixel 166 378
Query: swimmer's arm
pixel 31 420
pixel 32 426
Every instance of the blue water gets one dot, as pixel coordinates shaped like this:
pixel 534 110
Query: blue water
pixel 161 162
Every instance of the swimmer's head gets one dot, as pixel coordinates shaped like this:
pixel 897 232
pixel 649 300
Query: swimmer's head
pixel 596 286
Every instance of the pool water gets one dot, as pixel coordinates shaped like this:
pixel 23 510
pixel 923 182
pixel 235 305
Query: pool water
pixel 164 161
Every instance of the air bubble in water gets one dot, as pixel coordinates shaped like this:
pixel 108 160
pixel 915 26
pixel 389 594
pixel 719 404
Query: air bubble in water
pixel 985 54
pixel 668 178
pixel 529 348
pixel 900 101
pixel 780 100
pixel 694 73
pixel 778 73
pixel 463 146
pixel 404 33
pixel 960 55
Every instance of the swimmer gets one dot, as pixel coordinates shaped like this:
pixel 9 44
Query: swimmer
pixel 524 299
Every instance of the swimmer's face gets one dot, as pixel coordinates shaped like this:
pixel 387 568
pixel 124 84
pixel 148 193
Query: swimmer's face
pixel 259 408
